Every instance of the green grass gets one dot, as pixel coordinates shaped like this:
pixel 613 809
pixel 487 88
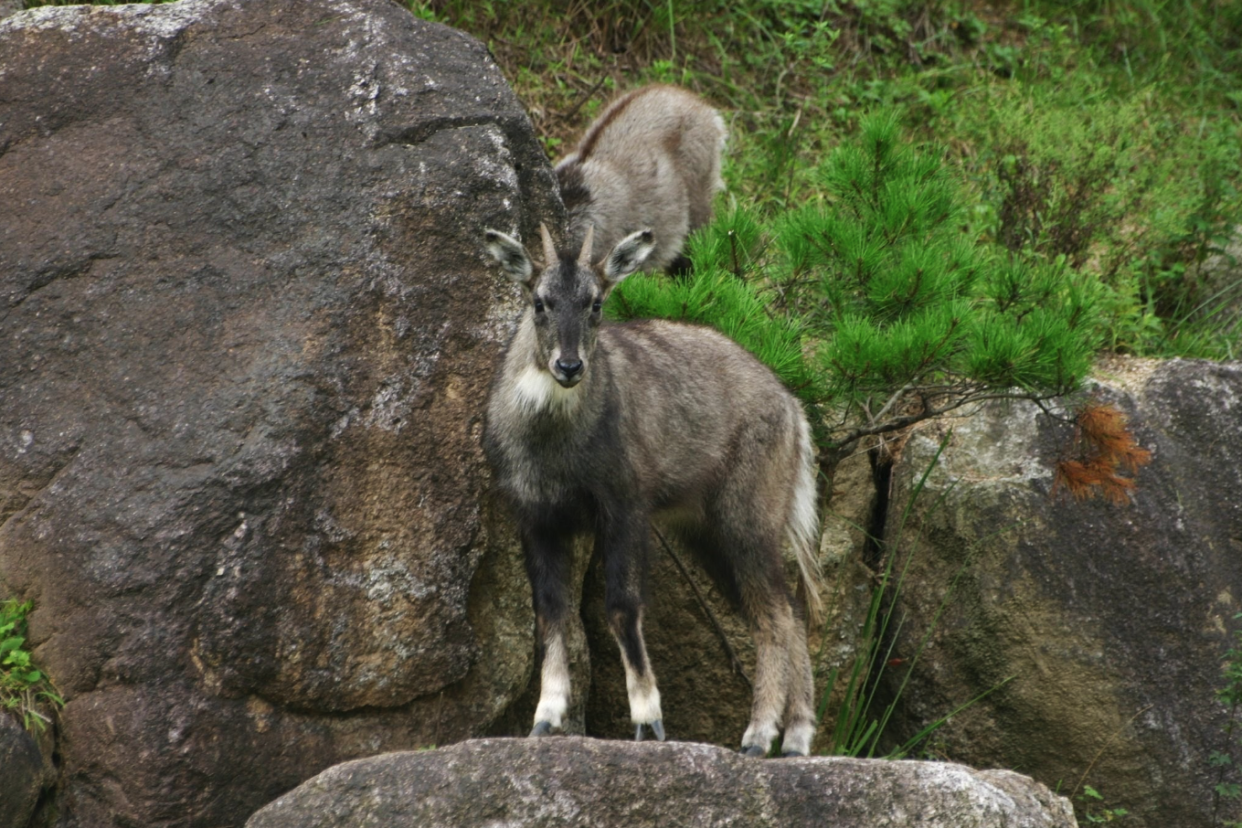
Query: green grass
pixel 1096 135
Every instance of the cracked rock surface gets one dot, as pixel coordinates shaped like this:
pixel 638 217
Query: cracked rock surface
pixel 245 329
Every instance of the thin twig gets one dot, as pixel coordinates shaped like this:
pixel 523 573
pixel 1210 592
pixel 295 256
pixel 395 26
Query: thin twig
pixel 582 100
pixel 724 639
pixel 892 401
pixel 1107 742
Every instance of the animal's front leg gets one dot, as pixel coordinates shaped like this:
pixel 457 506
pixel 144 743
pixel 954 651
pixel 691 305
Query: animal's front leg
pixel 640 681
pixel 548 563
pixel 553 681
pixel 623 546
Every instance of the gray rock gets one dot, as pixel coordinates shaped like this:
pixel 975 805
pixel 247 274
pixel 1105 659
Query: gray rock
pixel 21 773
pixel 584 783
pixel 1219 278
pixel 246 329
pixel 1109 622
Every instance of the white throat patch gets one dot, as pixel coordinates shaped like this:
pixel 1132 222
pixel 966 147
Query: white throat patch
pixel 536 390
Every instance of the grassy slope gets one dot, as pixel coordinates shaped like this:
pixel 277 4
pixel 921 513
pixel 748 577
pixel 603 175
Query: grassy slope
pixel 1103 132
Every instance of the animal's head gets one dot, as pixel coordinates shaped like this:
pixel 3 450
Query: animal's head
pixel 567 295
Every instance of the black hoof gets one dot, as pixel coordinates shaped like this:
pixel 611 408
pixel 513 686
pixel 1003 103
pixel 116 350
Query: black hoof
pixel 792 754
pixel 541 729
pixel 754 751
pixel 657 727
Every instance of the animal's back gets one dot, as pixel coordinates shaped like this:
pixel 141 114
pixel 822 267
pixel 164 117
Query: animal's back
pixel 694 406
pixel 678 121
pixel 651 160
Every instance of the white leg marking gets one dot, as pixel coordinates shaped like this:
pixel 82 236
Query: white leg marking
pixel 760 735
pixel 644 696
pixel 772 633
pixel 800 706
pixel 554 684
pixel 798 738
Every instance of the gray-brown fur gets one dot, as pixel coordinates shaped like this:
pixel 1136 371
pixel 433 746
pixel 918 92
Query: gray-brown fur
pixel 654 419
pixel 650 160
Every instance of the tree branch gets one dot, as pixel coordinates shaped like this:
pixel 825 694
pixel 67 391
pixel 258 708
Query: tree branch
pixel 711 616
pixel 969 397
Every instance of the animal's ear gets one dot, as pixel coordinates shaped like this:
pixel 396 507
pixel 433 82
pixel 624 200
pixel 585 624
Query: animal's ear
pixel 628 256
pixel 511 255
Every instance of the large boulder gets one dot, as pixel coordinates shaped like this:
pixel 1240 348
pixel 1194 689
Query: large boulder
pixel 1098 630
pixel 585 783
pixel 247 327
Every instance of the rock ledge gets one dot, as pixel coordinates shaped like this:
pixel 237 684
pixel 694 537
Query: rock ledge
pixel 586 782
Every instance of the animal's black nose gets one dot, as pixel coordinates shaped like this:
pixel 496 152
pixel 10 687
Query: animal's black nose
pixel 569 367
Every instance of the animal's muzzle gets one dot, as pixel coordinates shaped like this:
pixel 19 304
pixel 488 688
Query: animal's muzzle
pixel 568 372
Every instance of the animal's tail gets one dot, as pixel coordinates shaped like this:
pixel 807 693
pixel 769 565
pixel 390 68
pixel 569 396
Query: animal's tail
pixel 718 185
pixel 804 525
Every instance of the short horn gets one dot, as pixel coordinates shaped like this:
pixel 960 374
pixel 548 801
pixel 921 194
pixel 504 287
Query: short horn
pixel 549 247
pixel 584 258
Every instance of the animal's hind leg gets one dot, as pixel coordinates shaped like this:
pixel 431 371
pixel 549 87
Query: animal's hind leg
pixel 624 547
pixel 753 561
pixel 800 705
pixel 548 563
pixel 772 625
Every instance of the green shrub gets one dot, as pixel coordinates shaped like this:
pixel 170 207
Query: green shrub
pixel 872 303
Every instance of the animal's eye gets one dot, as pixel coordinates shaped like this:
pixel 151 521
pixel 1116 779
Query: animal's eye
pixel 538 305
pixel 596 306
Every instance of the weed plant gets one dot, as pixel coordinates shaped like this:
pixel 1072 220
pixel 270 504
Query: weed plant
pixel 860 719
pixel 25 691
pixel 1095 811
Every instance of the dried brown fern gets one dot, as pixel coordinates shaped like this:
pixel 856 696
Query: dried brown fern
pixel 1102 446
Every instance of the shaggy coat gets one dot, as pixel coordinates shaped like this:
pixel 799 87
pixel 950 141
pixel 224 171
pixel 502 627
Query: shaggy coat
pixel 598 428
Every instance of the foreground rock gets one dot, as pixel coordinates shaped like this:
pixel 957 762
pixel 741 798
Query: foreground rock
pixel 1108 623
pixel 579 782
pixel 246 329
